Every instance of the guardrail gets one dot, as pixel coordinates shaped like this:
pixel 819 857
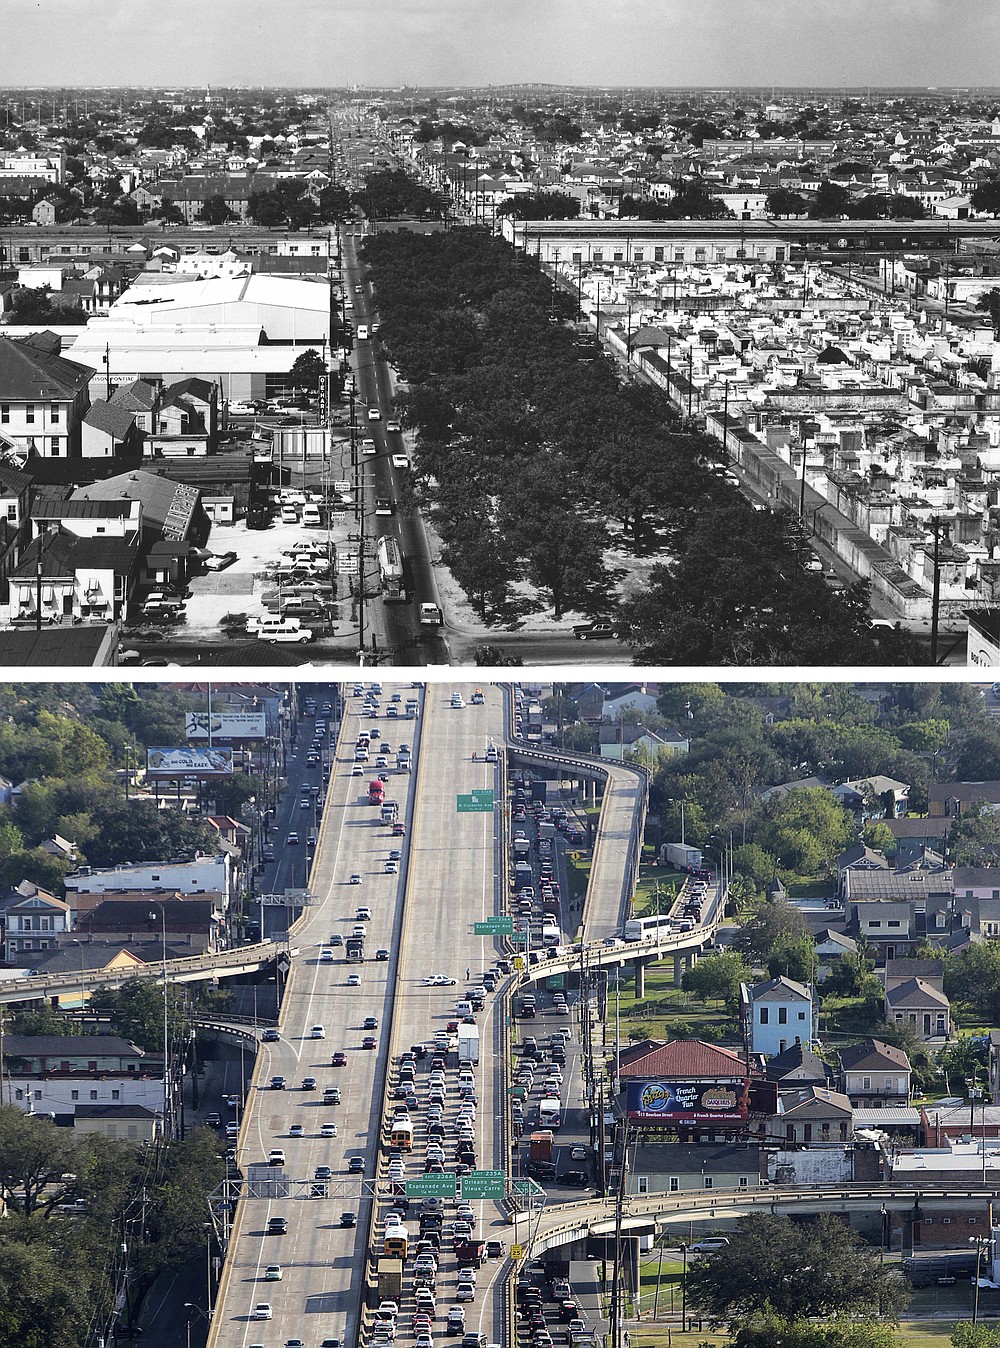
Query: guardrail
pixel 16 989
pixel 719 1205
pixel 592 765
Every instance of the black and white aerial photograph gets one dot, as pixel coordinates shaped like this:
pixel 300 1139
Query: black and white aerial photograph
pixel 474 334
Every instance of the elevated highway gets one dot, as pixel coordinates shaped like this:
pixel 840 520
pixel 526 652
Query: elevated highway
pixel 566 1223
pixel 245 959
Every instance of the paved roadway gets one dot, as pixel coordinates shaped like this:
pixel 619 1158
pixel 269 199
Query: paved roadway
pixel 397 627
pixel 452 883
pixel 320 1290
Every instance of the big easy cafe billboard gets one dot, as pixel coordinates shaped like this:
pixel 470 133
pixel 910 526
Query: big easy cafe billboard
pixel 688 1101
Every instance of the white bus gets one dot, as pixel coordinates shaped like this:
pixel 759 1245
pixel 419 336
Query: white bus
pixel 640 928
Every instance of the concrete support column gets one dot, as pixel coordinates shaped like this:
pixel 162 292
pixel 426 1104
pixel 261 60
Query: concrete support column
pixel 640 979
pixel 678 971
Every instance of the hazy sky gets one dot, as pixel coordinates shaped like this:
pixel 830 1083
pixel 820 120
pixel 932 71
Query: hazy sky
pixel 620 42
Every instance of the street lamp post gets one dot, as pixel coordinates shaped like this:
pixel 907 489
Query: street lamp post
pixel 684 1274
pixel 981 1243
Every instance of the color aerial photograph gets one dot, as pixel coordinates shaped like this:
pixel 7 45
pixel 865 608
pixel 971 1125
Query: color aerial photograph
pixel 499 1013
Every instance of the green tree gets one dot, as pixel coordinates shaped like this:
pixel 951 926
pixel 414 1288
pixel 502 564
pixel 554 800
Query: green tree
pixel 806 828
pixel 765 1329
pixel 34 1153
pixel 775 925
pixel 974 839
pixel 783 202
pixel 879 836
pixel 216 212
pixel 755 862
pixel 967 1335
pixel 136 1011
pixel 794 958
pixel 718 977
pixel 307 370
pixel 831 200
pixel 773 1265
pixel 989 303
pixel 985 196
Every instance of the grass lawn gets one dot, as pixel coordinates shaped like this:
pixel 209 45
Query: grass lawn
pixel 671 1337
pixel 666 1010
pixel 577 875
pixel 651 877
pixel 908 1334
pixel 924 1333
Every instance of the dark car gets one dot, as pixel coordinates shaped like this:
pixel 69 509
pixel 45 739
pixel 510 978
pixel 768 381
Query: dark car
pixel 339 1059
pixel 574 1177
pixel 277 1226
pixel 595 631
pixel 348 1219
pixel 356 1165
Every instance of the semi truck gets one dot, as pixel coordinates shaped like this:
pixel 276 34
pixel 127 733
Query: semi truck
pixel 355 949
pixel 390 1280
pixel 540 1145
pixel 390 570
pixel 468 1044
pixel 679 854
pixel 376 792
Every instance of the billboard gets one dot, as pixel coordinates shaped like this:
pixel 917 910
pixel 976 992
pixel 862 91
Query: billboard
pixel 189 762
pixel 672 1102
pixel 226 725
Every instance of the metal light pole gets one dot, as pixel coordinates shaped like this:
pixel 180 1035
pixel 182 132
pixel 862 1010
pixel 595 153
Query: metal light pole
pixel 166 1041
pixel 981 1243
pixel 684 1274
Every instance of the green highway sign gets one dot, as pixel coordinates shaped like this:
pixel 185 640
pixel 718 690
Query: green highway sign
pixel 477 802
pixel 483 1184
pixel 431 1186
pixel 527 1186
pixel 494 926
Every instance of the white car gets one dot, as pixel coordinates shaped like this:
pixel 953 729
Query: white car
pixel 391 868
pixel 317 1032
pixel 354 980
pixel 355 878
pixel 439 981
pixel 374 414
pixel 393 425
pixel 262 1311
pixel 400 461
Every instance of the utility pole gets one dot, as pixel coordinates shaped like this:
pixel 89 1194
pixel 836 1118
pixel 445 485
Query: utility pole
pixel 616 1290
pixel 936 589
pixel 725 425
pixel 690 377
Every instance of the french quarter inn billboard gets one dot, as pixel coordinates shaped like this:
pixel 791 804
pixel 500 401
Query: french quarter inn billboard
pixel 226 725
pixel 688 1101
pixel 189 762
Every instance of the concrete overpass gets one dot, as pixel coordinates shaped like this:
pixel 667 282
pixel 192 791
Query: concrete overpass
pixel 198 968
pixel 567 1223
